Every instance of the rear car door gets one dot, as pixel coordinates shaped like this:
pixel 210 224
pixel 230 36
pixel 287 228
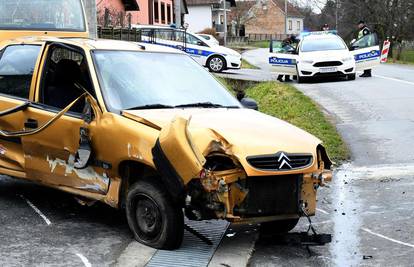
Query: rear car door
pixel 17 65
pixel 366 52
pixel 283 58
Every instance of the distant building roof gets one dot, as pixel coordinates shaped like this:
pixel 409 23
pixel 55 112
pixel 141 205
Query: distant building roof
pixel 291 10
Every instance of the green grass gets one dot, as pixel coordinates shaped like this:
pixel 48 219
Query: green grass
pixel 407 57
pixel 287 103
pixel 247 65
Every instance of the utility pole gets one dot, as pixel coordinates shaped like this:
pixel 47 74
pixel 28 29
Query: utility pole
pixel 91 21
pixel 225 22
pixel 286 17
pixel 336 15
pixel 177 10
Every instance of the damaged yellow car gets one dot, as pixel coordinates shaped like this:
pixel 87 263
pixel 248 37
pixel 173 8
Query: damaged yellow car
pixel 147 129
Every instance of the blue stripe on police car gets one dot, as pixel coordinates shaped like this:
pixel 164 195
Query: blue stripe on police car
pixel 374 54
pixel 281 61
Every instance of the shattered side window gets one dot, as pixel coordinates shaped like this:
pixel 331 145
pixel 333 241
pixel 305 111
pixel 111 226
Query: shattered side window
pixel 17 64
pixel 61 53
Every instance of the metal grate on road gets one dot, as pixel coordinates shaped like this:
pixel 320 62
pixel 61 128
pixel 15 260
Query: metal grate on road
pixel 193 252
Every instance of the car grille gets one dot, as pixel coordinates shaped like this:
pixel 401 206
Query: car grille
pixel 328 64
pixel 277 162
pixel 271 195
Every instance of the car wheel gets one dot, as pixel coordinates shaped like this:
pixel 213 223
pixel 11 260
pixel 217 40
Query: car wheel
pixel 301 79
pixel 277 227
pixel 216 64
pixel 351 77
pixel 153 217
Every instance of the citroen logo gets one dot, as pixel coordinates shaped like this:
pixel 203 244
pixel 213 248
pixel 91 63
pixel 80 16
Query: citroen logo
pixel 283 161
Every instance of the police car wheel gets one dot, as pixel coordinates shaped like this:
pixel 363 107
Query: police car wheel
pixel 216 64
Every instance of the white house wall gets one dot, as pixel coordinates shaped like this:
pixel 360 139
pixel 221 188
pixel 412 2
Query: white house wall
pixel 295 29
pixel 198 18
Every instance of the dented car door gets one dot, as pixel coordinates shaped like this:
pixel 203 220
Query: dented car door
pixel 56 155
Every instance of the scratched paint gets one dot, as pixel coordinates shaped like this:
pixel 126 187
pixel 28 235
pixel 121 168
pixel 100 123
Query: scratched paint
pixel 2 150
pixel 133 152
pixel 93 180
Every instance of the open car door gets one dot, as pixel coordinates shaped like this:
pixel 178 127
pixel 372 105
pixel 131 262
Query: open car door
pixel 283 58
pixel 366 52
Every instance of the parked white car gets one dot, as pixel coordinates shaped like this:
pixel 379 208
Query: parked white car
pixel 209 38
pixel 324 54
pixel 215 57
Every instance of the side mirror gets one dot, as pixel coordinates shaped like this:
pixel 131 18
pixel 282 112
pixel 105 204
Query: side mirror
pixel 249 103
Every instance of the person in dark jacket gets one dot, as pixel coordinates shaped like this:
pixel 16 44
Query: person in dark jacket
pixel 362 31
pixel 292 41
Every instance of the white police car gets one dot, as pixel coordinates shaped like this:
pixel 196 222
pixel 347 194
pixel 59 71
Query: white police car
pixel 324 54
pixel 215 57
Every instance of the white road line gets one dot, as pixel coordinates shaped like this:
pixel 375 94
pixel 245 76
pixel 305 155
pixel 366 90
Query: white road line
pixel 84 260
pixel 388 238
pixel 393 79
pixel 323 211
pixel 48 222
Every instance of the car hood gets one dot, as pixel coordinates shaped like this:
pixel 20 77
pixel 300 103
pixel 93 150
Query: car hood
pixel 248 132
pixel 224 50
pixel 325 55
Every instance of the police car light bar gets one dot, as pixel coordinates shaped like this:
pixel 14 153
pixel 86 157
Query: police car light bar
pixel 319 33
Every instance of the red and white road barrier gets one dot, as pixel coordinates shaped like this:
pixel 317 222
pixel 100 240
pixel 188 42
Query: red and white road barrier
pixel 385 50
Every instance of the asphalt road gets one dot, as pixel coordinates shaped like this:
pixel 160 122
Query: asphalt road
pixel 368 208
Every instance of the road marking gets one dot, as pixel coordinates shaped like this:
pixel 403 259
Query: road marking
pixel 321 210
pixel 84 260
pixel 377 172
pixel 393 79
pixel 388 238
pixel 48 222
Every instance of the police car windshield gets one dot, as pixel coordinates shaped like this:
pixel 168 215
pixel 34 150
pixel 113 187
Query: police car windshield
pixel 51 15
pixel 310 45
pixel 133 79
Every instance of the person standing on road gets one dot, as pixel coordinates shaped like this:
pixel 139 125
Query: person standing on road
pixel 290 41
pixel 325 27
pixel 363 30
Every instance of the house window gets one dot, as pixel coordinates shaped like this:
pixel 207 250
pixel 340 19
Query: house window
pixel 162 12
pixel 168 14
pixel 156 12
pixel 290 25
pixel 298 25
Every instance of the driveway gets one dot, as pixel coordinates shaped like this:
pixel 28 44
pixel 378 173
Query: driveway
pixel 368 208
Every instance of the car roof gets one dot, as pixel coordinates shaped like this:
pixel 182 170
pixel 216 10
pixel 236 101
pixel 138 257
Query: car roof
pixel 99 44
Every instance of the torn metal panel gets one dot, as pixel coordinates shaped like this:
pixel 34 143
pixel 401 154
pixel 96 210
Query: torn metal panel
pixel 89 179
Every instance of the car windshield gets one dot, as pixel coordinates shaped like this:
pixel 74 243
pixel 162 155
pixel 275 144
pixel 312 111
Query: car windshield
pixel 57 15
pixel 309 45
pixel 140 80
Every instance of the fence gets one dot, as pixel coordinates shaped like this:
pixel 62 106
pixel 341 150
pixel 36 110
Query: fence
pixel 119 34
pixel 266 36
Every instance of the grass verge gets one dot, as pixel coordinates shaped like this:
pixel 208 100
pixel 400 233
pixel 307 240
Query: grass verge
pixel 247 65
pixel 407 57
pixel 287 103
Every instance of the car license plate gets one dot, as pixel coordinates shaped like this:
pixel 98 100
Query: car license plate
pixel 326 70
